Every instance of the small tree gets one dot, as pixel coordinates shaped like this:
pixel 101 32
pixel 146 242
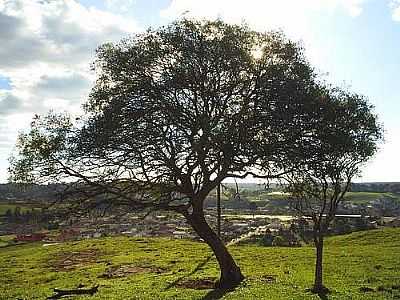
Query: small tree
pixel 346 138
pixel 253 208
pixel 17 214
pixel 9 215
pixel 175 111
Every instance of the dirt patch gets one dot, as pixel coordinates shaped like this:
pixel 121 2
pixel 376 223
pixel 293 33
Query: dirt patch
pixel 66 261
pixel 126 270
pixel 197 284
pixel 269 278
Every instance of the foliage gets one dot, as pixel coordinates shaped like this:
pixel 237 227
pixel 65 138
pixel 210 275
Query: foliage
pixel 347 137
pixel 278 241
pixel 173 112
pixel 176 110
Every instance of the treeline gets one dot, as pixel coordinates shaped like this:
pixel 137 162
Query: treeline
pixel 381 187
pixel 33 216
pixel 29 192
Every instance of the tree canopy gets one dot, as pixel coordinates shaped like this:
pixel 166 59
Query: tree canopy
pixel 176 110
pixel 347 137
pixel 181 108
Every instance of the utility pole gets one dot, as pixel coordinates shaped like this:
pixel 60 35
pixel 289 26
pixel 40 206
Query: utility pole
pixel 219 210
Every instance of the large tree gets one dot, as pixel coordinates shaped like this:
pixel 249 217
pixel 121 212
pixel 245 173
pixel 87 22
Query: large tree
pixel 173 112
pixel 347 136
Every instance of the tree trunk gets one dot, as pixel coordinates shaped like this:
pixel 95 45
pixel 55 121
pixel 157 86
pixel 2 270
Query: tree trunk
pixel 318 282
pixel 219 210
pixel 231 275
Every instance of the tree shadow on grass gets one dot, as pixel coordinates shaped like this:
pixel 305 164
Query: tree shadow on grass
pixel 217 294
pixel 322 294
pixel 214 294
pixel 195 270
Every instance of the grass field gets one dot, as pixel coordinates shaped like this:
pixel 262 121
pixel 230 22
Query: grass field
pixel 5 207
pixel 366 197
pixel 5 239
pixel 363 265
pixel 355 197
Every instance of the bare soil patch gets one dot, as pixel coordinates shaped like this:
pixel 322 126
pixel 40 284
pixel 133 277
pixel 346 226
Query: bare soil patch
pixel 126 270
pixel 66 261
pixel 269 278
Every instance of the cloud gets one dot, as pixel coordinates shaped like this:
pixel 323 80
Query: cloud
pixel 120 5
pixel 47 47
pixel 395 6
pixel 293 16
pixel 297 18
pixel 9 104
pixel 19 46
pixel 352 7
pixel 56 32
pixel 381 167
pixel 45 55
pixel 70 86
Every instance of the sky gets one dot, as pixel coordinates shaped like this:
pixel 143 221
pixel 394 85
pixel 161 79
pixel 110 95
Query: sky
pixel 47 47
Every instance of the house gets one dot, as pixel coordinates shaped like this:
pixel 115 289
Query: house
pixel 394 223
pixel 34 237
pixel 68 234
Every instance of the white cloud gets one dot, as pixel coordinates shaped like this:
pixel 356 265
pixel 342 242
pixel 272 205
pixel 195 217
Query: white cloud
pixel 293 16
pixel 381 168
pixel 9 103
pixel 296 18
pixel 395 6
pixel 120 5
pixel 58 32
pixel 47 47
pixel 46 51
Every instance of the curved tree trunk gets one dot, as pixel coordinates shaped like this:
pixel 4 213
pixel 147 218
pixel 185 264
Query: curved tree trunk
pixel 231 275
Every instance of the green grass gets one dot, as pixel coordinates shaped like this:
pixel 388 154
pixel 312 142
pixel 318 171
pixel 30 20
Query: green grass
pixel 264 198
pixel 366 197
pixel 6 239
pixel 5 207
pixel 364 259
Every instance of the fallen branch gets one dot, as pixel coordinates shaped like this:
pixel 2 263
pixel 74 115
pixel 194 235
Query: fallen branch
pixel 60 293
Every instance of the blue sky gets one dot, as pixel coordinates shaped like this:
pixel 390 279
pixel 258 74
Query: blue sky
pixel 47 47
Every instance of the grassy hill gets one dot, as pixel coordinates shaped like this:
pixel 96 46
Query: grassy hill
pixel 12 206
pixel 363 265
pixel 367 197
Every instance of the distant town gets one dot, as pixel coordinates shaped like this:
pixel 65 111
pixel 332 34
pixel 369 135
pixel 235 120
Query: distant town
pixel 253 213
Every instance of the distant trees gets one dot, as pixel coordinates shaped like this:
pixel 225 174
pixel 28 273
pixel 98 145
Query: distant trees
pixel 8 215
pixel 346 137
pixel 175 111
pixel 31 216
pixel 253 207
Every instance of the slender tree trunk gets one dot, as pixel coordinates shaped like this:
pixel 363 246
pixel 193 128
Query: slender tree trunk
pixel 318 281
pixel 231 275
pixel 219 210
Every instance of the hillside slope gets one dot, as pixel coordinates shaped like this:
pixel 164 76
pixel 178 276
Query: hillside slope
pixel 363 265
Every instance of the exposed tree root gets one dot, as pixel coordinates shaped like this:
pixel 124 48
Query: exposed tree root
pixel 79 291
